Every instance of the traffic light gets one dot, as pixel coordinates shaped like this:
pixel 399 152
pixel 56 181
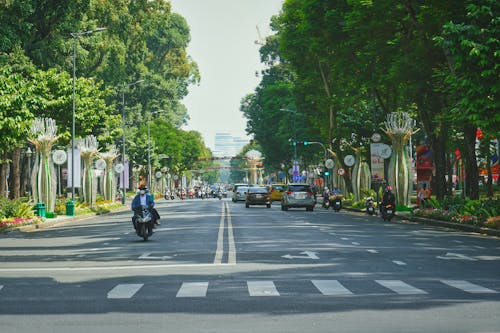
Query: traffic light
pixel 306 143
pixel 326 173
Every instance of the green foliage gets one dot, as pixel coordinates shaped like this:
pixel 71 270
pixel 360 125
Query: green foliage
pixel 15 208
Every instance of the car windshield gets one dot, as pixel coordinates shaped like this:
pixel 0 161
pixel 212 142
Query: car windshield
pixel 257 190
pixel 242 189
pixel 299 188
pixel 277 188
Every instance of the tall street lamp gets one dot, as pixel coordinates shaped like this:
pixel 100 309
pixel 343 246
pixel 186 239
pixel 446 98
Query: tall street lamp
pixel 149 145
pixel 294 142
pixel 125 86
pixel 28 154
pixel 75 36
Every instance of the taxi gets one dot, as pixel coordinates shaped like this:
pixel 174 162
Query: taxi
pixel 276 191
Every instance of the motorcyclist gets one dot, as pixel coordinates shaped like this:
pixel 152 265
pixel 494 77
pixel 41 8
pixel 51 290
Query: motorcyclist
pixel 388 198
pixel 144 199
pixel 326 196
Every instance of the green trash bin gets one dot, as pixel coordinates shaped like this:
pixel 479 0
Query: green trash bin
pixel 40 209
pixel 70 208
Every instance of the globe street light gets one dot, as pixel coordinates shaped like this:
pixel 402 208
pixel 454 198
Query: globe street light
pixel 75 36
pixel 125 85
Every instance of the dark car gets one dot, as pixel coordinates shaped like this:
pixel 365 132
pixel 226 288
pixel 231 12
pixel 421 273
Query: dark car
pixel 298 196
pixel 258 196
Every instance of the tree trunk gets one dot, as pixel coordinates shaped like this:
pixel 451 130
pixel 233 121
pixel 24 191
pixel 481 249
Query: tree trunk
pixel 15 176
pixel 3 177
pixel 471 169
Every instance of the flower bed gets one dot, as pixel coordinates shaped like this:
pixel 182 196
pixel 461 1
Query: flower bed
pixel 14 222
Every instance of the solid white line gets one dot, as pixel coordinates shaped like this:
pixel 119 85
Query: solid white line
pixel 262 288
pixel 355 243
pixel 1 287
pixel 400 287
pixel 230 234
pixel 372 251
pixel 193 289
pixel 124 290
pixel 469 287
pixel 400 263
pixel 331 287
pixel 220 239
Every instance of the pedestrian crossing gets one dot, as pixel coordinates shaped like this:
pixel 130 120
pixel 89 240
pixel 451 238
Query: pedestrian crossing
pixel 269 288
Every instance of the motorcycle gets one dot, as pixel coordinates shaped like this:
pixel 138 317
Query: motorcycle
pixel 388 212
pixel 336 202
pixel 326 203
pixel 219 195
pixel 143 222
pixel 370 206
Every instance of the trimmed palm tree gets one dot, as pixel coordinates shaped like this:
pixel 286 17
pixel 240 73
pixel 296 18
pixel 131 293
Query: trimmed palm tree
pixel 43 135
pixel 109 179
pixel 399 127
pixel 88 150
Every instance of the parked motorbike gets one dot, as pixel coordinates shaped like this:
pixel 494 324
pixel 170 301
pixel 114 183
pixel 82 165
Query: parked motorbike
pixel 370 206
pixel 388 212
pixel 143 222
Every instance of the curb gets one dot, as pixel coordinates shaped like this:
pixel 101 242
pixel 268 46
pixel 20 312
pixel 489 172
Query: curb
pixel 439 223
pixel 64 219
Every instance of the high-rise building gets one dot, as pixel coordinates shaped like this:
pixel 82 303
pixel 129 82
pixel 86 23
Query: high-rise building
pixel 228 145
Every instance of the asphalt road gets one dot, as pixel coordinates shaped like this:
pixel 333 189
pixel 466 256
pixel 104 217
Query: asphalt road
pixel 216 266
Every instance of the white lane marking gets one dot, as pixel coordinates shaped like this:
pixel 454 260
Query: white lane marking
pixel 457 241
pixel 400 287
pixel 220 238
pixel 124 290
pixel 345 238
pixel 262 288
pixel 1 287
pixel 372 251
pixel 193 289
pixel 331 287
pixel 355 243
pixel 455 256
pixel 147 256
pixel 469 287
pixel 230 235
pixel 400 263
pixel 479 247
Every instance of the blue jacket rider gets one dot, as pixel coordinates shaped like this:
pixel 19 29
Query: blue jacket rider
pixel 142 199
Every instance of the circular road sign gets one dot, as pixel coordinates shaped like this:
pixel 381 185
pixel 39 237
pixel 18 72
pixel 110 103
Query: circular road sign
pixel 119 168
pixel 341 171
pixel 329 163
pixel 349 160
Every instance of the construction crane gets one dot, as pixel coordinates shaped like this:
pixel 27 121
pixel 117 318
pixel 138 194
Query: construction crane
pixel 260 41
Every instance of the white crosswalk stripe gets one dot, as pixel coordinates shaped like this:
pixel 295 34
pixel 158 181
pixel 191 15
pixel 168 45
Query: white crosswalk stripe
pixel 124 291
pixel 469 287
pixel 262 288
pixel 400 287
pixel 331 287
pixel 193 289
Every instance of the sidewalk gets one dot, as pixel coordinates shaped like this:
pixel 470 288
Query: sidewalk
pixel 404 217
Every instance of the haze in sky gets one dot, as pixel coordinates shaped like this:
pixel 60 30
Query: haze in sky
pixel 223 35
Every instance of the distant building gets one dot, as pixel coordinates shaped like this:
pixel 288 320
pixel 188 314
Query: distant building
pixel 228 145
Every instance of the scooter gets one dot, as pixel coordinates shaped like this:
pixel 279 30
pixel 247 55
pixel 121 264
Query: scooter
pixel 388 212
pixel 370 206
pixel 326 203
pixel 336 202
pixel 143 222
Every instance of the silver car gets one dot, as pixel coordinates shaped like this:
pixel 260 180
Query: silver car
pixel 240 194
pixel 298 196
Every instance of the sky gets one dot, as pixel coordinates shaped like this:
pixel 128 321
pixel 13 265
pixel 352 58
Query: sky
pixel 223 35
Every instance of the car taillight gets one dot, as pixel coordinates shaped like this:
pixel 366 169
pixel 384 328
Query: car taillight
pixel 289 193
pixel 310 193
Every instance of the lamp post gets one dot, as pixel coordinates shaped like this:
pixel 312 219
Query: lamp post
pixel 295 163
pixel 75 36
pixel 149 145
pixel 125 85
pixel 28 154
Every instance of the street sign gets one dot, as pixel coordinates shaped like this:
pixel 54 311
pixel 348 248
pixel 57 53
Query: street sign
pixel 59 157
pixel 329 163
pixel 119 168
pixel 349 160
pixel 341 172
